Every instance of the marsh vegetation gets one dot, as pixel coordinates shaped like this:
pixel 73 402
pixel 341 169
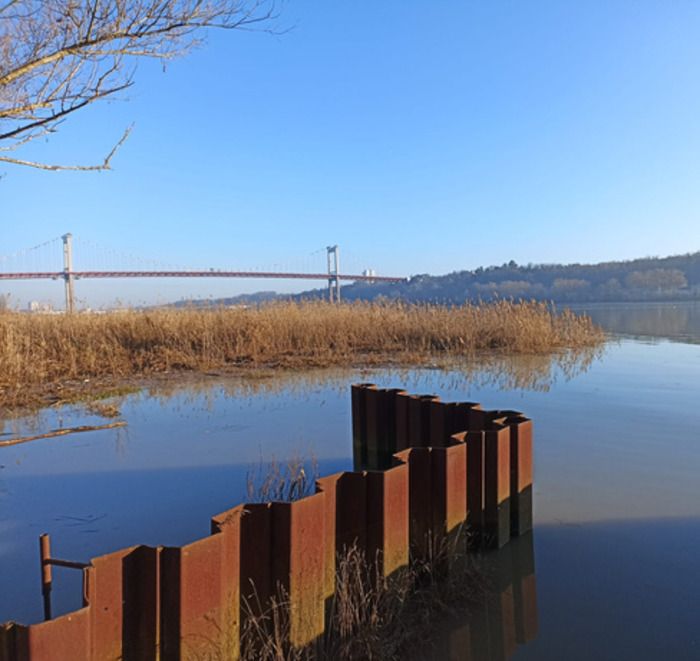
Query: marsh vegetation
pixel 48 355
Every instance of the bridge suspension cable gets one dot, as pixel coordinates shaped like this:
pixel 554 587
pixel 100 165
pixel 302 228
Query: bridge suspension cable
pixel 93 260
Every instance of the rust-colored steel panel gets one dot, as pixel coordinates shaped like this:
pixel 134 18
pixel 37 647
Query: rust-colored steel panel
pixel 396 524
pixel 475 483
pixel 401 403
pixel 460 418
pixel 386 428
pixel 7 641
pixel 420 508
pixel 387 517
pixel 256 556
pixel 415 422
pixel 497 485
pixel 228 521
pixel 298 564
pixel 351 512
pixel 461 438
pixel 65 638
pixel 449 488
pixel 141 594
pixel 104 594
pixel 329 487
pixel 374 516
pixel 200 599
pixel 465 416
pixel 438 416
pixel 420 410
pixel 521 472
pixel 373 432
pixel 122 592
pixel 359 423
pixel 427 402
pixel 477 417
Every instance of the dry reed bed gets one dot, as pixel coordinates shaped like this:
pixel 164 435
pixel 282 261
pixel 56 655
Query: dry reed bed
pixel 44 350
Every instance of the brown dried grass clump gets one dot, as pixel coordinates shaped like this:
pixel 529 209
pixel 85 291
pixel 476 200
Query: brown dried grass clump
pixel 44 350
pixel 371 616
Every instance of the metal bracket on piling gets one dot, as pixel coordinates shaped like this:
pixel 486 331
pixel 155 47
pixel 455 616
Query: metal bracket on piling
pixel 46 575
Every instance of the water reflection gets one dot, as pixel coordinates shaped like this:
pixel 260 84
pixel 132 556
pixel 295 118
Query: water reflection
pixel 198 393
pixel 616 463
pixel 185 453
pixel 501 617
pixel 679 322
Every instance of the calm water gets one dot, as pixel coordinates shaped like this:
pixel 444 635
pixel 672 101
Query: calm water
pixel 617 488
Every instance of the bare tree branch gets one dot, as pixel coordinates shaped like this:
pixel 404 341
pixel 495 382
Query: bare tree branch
pixel 59 56
pixel 105 165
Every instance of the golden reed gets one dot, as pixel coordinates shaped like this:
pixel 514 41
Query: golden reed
pixel 38 351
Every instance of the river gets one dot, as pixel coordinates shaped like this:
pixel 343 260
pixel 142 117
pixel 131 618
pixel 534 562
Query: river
pixel 613 557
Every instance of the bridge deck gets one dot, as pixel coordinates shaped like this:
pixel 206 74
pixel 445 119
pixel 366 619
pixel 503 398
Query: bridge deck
pixel 194 274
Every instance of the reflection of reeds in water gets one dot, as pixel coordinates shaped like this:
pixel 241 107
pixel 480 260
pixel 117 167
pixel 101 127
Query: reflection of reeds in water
pixel 40 350
pixel 508 372
pixel 201 392
pixel 534 372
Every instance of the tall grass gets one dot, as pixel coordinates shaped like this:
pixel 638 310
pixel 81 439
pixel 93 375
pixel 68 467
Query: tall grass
pixel 41 350
pixel 371 616
pixel 274 481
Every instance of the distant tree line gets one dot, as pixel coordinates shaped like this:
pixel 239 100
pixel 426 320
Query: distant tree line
pixel 647 279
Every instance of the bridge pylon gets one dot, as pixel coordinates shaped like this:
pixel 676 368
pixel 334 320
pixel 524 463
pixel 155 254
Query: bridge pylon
pixel 68 272
pixel 333 273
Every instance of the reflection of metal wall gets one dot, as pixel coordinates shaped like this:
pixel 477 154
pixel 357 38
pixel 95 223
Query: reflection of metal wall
pixel 502 617
pixel 424 469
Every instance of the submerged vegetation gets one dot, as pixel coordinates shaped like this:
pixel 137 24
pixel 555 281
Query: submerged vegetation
pixel 46 355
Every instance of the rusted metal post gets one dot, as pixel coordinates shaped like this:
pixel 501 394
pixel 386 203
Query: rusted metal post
pixel 45 556
pixel 46 574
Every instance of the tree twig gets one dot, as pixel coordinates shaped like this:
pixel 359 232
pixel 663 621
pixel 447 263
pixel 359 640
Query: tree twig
pixel 62 432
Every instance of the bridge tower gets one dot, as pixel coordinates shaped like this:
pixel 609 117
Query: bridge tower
pixel 68 271
pixel 333 271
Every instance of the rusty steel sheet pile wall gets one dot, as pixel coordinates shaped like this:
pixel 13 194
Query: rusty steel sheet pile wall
pixel 424 469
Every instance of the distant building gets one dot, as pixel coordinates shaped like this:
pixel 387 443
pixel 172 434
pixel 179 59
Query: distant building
pixel 37 306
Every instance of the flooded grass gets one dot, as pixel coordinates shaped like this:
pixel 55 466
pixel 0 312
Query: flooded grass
pixel 57 356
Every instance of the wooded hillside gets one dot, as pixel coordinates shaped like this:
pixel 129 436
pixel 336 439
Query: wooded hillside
pixel 650 278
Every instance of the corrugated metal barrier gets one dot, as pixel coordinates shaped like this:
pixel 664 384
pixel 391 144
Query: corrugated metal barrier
pixel 424 469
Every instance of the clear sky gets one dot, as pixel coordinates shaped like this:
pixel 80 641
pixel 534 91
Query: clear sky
pixel 422 137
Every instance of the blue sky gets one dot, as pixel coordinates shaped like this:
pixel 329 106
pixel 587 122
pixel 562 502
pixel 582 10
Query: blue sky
pixel 420 137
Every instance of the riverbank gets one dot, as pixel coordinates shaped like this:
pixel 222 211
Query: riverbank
pixel 47 359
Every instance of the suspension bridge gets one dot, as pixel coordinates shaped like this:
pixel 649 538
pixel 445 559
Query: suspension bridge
pixel 33 262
